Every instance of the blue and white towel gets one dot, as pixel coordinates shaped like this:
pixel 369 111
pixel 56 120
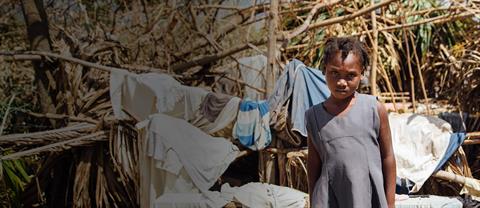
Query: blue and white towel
pixel 252 127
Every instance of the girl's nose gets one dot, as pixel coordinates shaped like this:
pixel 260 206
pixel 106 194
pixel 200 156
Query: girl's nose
pixel 342 83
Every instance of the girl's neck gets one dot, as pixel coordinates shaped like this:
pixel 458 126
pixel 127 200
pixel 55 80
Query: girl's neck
pixel 341 102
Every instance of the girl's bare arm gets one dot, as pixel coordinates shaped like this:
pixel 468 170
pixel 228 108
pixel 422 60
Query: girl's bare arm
pixel 313 167
pixel 388 158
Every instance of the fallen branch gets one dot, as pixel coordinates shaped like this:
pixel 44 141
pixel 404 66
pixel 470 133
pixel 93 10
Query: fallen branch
pixel 178 68
pixel 290 34
pixel 37 55
pixel 225 7
pixel 5 115
pixel 349 16
pixel 284 150
pixel 59 116
pixel 243 83
pixel 434 20
pixel 37 138
pixel 231 22
pixel 59 146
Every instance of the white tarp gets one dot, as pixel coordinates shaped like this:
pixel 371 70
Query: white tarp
pixel 419 143
pixel 265 195
pixel 429 201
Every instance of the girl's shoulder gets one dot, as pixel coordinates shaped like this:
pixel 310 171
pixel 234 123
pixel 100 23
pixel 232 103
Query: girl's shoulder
pixel 312 110
pixel 370 100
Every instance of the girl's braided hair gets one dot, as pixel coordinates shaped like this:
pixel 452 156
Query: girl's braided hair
pixel 345 45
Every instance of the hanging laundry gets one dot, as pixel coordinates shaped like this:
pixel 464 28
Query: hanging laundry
pixel 297 89
pixel 144 94
pixel 213 104
pixel 252 128
pixel 216 112
pixel 177 146
pixel 251 70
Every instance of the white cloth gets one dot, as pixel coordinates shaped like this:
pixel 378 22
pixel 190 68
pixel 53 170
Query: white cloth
pixel 226 116
pixel 146 94
pixel 184 200
pixel 265 195
pixel 176 145
pixel 251 69
pixel 419 143
pixel 429 201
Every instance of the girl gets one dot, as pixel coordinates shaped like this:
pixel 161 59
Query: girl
pixel 350 154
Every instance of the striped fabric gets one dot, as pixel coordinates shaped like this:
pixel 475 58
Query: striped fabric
pixel 252 127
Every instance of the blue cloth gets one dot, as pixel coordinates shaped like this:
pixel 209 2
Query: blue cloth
pixel 456 139
pixel 252 127
pixel 305 87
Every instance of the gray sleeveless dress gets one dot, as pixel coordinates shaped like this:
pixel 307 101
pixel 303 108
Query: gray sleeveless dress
pixel 351 174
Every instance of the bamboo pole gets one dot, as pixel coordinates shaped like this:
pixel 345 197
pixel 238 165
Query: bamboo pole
pixel 441 174
pixel 471 142
pixel 421 75
pixel 473 135
pixel 389 86
pixel 472 138
pixel 409 65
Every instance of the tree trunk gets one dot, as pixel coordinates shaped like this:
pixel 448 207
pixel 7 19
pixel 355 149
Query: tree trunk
pixel 37 31
pixel 50 186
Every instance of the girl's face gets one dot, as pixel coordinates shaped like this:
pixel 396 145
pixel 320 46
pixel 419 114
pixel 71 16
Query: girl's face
pixel 343 77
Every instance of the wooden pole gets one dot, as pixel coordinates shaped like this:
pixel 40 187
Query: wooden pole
pixel 282 176
pixel 444 175
pixel 269 73
pixel 373 76
pixel 272 47
pixel 271 79
pixel 38 34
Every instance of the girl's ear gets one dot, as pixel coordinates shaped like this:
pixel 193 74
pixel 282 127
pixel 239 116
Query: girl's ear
pixel 363 71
